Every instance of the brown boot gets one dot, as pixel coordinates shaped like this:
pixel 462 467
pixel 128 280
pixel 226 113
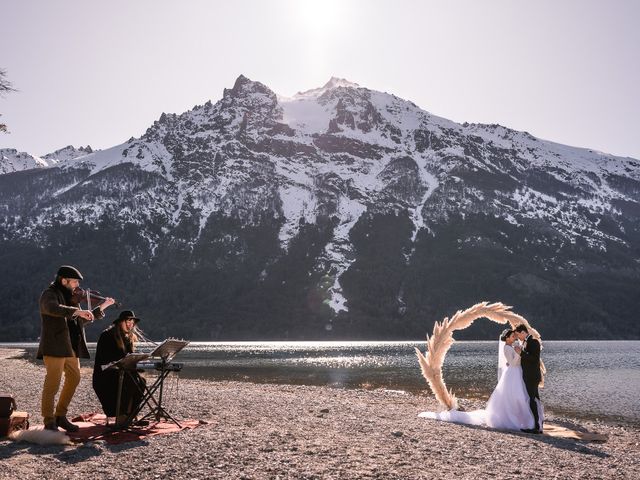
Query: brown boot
pixel 66 424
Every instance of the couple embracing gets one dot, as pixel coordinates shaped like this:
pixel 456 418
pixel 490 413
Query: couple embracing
pixel 515 402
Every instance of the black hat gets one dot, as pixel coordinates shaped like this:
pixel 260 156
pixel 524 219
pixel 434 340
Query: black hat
pixel 125 315
pixel 67 271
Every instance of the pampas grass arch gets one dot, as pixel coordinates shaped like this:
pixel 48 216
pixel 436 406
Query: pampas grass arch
pixel 439 343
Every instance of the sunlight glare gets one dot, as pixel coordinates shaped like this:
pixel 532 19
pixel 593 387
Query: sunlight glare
pixel 319 17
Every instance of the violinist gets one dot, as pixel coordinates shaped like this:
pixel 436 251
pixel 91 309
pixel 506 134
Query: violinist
pixel 114 343
pixel 63 343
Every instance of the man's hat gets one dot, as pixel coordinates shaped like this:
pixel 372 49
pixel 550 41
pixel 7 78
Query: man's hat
pixel 126 315
pixel 67 271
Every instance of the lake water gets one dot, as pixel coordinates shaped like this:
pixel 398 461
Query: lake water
pixel 595 379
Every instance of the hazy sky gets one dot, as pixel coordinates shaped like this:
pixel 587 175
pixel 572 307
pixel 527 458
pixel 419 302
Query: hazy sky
pixel 99 72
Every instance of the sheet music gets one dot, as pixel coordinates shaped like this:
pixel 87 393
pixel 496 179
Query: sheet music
pixel 169 348
pixel 128 362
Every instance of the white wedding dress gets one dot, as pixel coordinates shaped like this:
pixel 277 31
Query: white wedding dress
pixel 508 406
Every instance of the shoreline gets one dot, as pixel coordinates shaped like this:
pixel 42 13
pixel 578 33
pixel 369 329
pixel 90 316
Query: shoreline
pixel 297 431
pixel 248 375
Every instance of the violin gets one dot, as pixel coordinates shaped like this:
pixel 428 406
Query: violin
pixel 80 295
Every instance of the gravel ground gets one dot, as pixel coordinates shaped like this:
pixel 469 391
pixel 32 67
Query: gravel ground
pixel 282 431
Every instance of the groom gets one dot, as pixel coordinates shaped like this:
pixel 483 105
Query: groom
pixel 530 361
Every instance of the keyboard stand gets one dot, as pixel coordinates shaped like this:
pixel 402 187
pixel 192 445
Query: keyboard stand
pixel 129 364
pixel 157 411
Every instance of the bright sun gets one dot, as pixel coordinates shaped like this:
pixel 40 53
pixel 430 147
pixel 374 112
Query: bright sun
pixel 319 16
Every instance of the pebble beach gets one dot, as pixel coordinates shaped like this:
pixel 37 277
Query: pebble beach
pixel 268 431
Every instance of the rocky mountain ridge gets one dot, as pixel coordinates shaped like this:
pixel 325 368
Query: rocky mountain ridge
pixel 11 160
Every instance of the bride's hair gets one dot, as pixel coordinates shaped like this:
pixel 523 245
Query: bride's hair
pixel 505 334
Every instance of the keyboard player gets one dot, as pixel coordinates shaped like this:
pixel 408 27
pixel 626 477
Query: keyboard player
pixel 114 343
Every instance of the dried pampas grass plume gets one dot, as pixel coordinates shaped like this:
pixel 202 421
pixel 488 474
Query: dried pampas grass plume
pixel 439 343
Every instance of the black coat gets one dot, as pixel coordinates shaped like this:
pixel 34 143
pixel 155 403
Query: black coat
pixel 105 382
pixel 530 361
pixel 62 333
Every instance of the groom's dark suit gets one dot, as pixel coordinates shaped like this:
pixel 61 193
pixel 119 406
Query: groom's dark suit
pixel 530 361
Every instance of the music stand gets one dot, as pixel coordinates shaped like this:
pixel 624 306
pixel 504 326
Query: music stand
pixel 168 349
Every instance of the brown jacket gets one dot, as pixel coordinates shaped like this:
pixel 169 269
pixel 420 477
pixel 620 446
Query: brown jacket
pixel 60 329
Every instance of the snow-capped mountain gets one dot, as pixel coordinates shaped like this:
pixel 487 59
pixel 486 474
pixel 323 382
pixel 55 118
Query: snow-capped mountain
pixel 342 209
pixel 11 160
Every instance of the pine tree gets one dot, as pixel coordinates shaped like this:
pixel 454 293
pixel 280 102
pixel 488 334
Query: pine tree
pixel 5 87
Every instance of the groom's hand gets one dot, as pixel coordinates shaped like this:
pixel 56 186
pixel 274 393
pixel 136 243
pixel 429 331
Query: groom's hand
pixel 517 349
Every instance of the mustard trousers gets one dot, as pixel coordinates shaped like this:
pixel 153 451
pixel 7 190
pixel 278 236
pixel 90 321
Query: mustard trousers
pixel 55 367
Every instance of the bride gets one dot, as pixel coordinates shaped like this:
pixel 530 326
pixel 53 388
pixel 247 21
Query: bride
pixel 508 407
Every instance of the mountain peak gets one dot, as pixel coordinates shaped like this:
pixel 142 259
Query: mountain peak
pixel 240 81
pixel 335 82
pixel 244 86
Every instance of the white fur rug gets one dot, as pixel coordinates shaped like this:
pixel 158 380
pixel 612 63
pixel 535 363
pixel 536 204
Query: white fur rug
pixel 40 436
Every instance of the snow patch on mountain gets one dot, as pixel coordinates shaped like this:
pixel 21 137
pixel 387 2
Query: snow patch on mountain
pixel 305 114
pixel 339 252
pixel 416 213
pixel 298 204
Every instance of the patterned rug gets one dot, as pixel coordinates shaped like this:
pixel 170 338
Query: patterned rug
pixel 93 427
